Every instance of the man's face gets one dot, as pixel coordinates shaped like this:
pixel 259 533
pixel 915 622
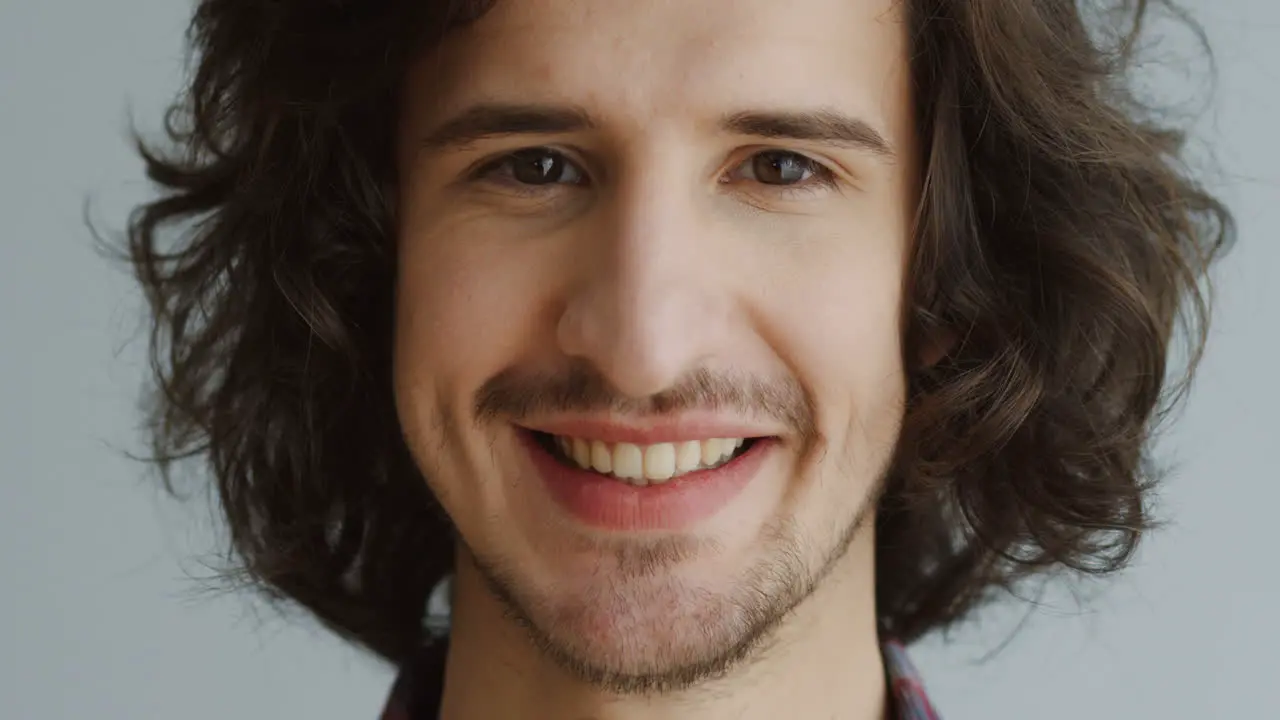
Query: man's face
pixel 692 225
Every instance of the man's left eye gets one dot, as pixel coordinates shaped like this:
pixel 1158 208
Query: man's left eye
pixel 781 167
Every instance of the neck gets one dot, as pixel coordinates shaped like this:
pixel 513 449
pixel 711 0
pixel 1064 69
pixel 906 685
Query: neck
pixel 823 661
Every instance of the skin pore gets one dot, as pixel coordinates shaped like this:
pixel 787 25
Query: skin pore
pixel 654 218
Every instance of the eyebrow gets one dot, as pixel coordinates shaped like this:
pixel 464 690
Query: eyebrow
pixel 821 126
pixel 488 120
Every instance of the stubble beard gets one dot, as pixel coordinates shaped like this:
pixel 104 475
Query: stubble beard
pixel 637 631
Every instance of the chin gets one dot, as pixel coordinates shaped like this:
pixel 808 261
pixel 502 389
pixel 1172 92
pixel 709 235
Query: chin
pixel 663 612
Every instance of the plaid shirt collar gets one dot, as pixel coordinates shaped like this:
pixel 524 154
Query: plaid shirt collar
pixel 418 688
pixel 906 690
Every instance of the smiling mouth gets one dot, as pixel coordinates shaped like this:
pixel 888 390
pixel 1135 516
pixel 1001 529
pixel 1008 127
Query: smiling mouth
pixel 643 465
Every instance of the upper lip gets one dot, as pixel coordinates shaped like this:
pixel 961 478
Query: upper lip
pixel 672 429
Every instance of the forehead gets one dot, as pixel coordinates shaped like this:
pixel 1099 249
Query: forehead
pixel 653 62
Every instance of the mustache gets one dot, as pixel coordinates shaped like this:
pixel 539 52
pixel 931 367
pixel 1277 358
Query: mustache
pixel 518 394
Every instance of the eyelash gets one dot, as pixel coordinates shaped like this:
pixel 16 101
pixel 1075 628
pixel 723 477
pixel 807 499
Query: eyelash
pixel 821 176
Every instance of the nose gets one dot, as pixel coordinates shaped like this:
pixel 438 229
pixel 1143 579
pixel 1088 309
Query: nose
pixel 650 303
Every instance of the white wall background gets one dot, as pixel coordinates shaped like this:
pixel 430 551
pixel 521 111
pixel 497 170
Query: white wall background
pixel 98 617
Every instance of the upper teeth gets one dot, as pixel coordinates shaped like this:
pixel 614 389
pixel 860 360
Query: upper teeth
pixel 648 464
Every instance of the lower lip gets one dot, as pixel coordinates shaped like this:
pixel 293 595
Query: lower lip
pixel 611 504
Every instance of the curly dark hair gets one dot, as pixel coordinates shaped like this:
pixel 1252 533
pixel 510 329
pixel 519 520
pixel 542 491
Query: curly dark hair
pixel 1060 239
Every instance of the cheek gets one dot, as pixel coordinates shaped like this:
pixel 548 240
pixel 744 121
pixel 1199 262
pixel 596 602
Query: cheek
pixel 444 333
pixel 435 307
pixel 471 299
pixel 836 312
pixel 466 303
pixel 854 327
pixel 458 322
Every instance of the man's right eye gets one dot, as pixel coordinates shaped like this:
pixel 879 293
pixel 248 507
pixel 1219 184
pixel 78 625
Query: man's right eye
pixel 534 166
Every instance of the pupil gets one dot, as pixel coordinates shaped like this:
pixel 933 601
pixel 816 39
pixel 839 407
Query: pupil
pixel 779 168
pixel 537 167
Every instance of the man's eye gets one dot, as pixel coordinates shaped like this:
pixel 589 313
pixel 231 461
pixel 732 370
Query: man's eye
pixel 781 167
pixel 535 166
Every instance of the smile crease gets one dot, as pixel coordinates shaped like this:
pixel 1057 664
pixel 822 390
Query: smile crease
pixel 643 464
